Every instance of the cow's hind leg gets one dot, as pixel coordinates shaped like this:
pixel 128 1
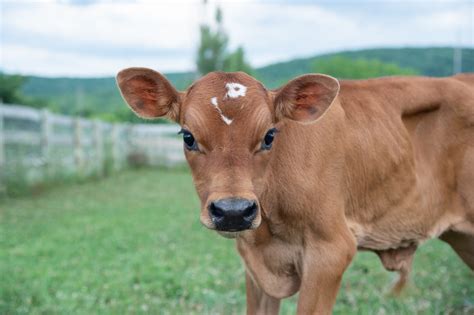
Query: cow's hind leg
pixel 461 237
pixel 463 245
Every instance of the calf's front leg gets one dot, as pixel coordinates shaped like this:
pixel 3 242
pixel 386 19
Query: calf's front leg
pixel 258 302
pixel 323 266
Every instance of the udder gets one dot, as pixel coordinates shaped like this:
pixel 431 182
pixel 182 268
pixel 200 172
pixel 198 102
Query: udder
pixel 399 260
pixel 394 246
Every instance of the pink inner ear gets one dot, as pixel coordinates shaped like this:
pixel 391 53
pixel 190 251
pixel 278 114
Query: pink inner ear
pixel 142 93
pixel 306 98
pixel 307 102
pixel 143 88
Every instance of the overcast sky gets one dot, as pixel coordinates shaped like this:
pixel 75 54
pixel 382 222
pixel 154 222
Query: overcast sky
pixel 97 37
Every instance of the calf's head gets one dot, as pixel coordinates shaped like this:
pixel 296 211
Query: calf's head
pixel 230 124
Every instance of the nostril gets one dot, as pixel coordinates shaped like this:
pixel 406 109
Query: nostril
pixel 216 212
pixel 250 212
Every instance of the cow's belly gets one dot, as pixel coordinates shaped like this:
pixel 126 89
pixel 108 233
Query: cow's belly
pixel 414 204
pixel 401 229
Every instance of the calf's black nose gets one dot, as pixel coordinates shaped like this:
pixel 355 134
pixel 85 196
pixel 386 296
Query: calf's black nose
pixel 232 214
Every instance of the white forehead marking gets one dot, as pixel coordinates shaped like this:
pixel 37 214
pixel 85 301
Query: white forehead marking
pixel 226 120
pixel 216 105
pixel 235 90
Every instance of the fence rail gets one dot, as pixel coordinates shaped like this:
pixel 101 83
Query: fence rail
pixel 38 145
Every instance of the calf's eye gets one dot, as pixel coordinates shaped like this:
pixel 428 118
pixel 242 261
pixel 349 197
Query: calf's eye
pixel 189 141
pixel 268 139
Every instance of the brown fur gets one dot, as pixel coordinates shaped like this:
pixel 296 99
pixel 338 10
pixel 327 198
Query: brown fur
pixel 381 165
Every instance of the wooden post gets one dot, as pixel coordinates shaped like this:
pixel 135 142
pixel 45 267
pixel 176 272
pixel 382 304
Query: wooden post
pixel 129 148
pixel 45 125
pixel 78 150
pixel 3 185
pixel 116 147
pixel 99 147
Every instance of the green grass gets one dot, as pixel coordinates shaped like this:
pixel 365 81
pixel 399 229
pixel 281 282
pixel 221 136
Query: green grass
pixel 132 243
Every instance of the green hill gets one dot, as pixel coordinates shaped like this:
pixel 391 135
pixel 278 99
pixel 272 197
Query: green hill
pixel 85 96
pixel 425 61
pixel 100 97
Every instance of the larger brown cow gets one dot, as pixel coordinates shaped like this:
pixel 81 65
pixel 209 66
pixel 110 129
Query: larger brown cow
pixel 305 175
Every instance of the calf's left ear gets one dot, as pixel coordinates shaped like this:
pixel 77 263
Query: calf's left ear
pixel 305 98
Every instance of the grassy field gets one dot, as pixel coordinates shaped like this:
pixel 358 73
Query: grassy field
pixel 133 244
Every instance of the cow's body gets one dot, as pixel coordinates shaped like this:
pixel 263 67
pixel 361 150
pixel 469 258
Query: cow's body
pixel 400 160
pixel 409 159
pixel 390 165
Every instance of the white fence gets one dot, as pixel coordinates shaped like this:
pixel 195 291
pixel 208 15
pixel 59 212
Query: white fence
pixel 37 145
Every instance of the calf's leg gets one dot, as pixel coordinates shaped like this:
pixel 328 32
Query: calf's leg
pixel 258 302
pixel 323 267
pixel 463 245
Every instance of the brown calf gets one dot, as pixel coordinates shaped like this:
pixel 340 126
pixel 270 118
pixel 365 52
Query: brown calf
pixel 305 175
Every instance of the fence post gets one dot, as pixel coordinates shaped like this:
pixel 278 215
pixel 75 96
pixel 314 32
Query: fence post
pixel 3 185
pixel 99 147
pixel 115 147
pixel 45 125
pixel 129 144
pixel 78 150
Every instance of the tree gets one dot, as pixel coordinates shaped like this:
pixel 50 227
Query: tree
pixel 10 92
pixel 213 54
pixel 10 86
pixel 346 68
pixel 236 61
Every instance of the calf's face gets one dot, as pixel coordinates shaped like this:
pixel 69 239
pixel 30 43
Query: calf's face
pixel 230 124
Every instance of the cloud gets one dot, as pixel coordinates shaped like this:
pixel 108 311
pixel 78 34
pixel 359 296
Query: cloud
pixel 53 63
pixel 99 33
pixel 276 31
pixel 98 37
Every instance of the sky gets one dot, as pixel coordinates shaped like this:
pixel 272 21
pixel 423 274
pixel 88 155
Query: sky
pixel 86 38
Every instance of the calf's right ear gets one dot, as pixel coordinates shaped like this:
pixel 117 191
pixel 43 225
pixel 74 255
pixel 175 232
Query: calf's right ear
pixel 149 94
pixel 306 98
